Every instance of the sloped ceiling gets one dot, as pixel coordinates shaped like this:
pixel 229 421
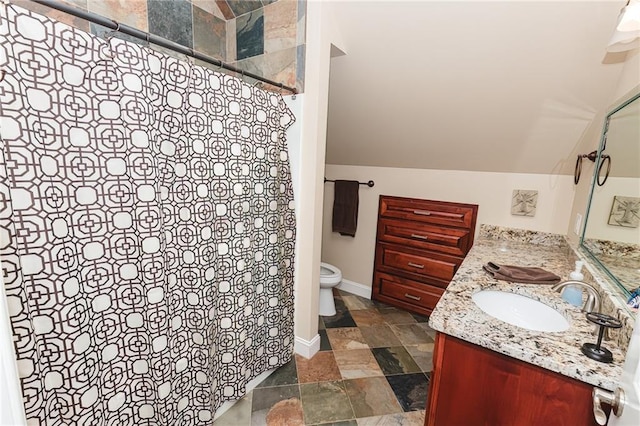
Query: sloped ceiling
pixel 504 86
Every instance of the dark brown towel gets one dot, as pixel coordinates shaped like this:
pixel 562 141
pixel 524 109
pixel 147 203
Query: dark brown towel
pixel 521 274
pixel 345 207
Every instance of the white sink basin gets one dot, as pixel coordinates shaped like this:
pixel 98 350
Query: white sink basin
pixel 520 310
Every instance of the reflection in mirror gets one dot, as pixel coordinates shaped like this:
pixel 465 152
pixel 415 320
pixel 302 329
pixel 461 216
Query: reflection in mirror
pixel 612 230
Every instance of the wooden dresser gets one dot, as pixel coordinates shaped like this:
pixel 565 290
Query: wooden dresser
pixel 419 246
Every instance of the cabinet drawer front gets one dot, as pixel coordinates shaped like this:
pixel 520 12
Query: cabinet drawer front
pixel 420 263
pixel 435 212
pixel 454 241
pixel 409 291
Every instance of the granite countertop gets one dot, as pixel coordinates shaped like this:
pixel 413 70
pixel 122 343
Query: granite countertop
pixel 622 259
pixel 457 315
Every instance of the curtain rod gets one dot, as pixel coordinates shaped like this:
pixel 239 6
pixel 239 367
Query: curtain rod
pixel 150 38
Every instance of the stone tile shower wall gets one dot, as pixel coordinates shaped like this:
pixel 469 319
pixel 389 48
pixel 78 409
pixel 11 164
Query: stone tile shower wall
pixel 270 40
pixel 266 37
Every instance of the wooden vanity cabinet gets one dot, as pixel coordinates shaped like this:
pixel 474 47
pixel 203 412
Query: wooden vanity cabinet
pixel 420 245
pixel 472 385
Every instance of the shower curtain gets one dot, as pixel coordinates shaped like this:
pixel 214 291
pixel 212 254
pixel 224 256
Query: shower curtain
pixel 146 228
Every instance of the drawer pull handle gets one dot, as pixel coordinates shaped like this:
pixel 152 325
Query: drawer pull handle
pixel 412 297
pixel 416 265
pixel 420 237
pixel 422 212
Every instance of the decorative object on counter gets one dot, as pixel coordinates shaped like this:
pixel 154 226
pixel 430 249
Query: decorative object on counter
pixel 345 207
pixel 521 274
pixel 634 299
pixel 524 202
pixel 625 211
pixel 571 293
pixel 419 246
pixel 593 156
pixel 596 351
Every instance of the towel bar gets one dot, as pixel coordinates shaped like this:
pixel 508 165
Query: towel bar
pixel 369 184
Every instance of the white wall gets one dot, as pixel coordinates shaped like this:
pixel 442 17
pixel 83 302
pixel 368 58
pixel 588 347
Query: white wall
pixel 441 84
pixel 630 76
pixel 320 37
pixel 491 191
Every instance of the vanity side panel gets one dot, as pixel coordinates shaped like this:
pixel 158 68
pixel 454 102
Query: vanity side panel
pixel 474 385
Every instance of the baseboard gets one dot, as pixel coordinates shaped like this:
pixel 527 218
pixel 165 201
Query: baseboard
pixel 355 288
pixel 307 348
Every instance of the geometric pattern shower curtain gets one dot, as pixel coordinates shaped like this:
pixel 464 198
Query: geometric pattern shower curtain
pixel 147 228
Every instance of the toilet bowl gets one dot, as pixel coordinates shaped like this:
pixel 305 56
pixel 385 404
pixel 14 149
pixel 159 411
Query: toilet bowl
pixel 330 276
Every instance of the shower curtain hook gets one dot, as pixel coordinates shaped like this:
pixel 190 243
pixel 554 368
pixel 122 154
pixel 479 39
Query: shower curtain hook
pixel 109 36
pixel 2 74
pixel 109 55
pixel 113 32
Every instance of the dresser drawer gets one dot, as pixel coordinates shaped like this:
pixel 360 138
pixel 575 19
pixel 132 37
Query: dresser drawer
pixel 454 241
pixel 408 291
pixel 434 212
pixel 420 245
pixel 418 262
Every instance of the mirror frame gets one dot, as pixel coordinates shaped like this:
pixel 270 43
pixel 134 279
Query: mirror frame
pixel 601 147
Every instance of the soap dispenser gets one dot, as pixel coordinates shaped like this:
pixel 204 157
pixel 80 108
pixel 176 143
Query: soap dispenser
pixel 572 293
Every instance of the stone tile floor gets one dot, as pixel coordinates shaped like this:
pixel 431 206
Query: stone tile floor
pixel 373 368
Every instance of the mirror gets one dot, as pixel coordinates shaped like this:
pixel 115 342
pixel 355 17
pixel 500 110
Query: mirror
pixel 611 234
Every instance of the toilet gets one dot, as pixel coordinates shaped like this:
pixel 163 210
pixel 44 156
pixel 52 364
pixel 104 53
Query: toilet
pixel 330 276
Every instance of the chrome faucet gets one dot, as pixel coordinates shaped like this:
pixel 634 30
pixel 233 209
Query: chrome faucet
pixel 592 304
